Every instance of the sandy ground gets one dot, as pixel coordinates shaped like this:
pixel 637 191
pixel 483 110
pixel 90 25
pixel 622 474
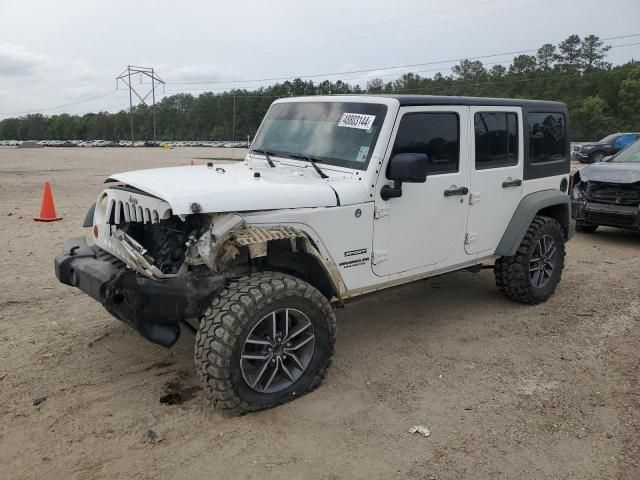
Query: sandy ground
pixel 508 391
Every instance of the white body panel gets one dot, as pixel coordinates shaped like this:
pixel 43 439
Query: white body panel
pixel 422 228
pixel 492 205
pixel 233 187
pixel 371 243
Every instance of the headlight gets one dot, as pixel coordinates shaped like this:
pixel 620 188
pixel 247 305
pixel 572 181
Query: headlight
pixel 579 191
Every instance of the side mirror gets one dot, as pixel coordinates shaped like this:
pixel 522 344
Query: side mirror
pixel 405 167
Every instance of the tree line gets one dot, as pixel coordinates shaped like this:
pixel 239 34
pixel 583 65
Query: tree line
pixel 602 98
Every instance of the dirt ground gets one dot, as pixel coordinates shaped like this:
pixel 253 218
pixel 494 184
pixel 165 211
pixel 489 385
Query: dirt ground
pixel 508 391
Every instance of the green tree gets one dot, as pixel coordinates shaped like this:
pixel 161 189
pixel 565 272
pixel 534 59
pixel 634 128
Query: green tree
pixel 546 57
pixel 569 57
pixel 592 120
pixel 630 100
pixel 593 52
pixel 601 98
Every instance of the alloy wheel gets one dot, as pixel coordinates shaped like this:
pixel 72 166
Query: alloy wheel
pixel 277 351
pixel 543 261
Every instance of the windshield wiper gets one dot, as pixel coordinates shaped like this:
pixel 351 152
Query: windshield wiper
pixel 266 155
pixel 312 161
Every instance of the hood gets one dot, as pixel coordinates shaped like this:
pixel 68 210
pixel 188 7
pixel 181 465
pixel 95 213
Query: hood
pixel 233 187
pixel 611 172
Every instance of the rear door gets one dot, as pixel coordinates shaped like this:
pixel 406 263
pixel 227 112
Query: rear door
pixel 496 175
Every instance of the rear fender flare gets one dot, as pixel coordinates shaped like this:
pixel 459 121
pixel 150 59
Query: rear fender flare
pixel 551 203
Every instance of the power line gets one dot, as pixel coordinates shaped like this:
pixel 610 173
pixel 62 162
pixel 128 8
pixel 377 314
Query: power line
pixel 366 70
pixel 420 27
pixel 449 87
pixel 344 30
pixel 223 89
pixel 76 102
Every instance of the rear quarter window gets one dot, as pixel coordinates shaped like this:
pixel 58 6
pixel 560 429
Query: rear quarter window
pixel 547 137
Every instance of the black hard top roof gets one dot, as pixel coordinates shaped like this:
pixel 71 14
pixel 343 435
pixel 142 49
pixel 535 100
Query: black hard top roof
pixel 420 100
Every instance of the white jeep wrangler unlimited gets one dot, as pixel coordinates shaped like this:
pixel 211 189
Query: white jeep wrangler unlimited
pixel 339 196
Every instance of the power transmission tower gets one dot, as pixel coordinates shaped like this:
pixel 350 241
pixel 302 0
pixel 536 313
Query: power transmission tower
pixel 125 77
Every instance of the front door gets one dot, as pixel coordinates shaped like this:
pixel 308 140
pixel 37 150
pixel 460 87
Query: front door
pixel 426 225
pixel 496 175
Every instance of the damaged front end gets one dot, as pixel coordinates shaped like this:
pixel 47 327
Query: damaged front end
pixel 606 203
pixel 156 271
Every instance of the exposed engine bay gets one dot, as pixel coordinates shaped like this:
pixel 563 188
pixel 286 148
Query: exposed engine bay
pixel 142 231
pixel 166 242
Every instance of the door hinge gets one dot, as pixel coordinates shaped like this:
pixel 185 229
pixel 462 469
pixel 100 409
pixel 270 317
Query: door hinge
pixel 381 211
pixel 379 256
pixel 474 197
pixel 470 237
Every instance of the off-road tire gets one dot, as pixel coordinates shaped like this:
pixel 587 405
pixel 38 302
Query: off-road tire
pixel 512 273
pixel 585 228
pixel 230 318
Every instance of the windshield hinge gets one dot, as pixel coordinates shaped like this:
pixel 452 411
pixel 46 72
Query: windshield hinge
pixel 381 211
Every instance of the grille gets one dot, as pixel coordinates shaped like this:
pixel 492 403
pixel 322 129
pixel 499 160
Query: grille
pixel 614 193
pixel 123 210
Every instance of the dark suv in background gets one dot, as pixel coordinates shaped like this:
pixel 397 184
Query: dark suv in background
pixel 595 152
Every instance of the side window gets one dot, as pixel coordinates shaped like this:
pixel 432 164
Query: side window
pixel 496 135
pixel 436 134
pixel 547 137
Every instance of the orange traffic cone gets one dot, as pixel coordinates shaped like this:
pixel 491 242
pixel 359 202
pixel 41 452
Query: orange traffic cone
pixel 48 209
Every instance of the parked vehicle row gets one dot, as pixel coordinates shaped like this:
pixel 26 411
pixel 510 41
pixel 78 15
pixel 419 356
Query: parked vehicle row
pixel 125 143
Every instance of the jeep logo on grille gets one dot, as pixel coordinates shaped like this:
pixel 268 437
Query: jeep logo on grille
pixel 133 200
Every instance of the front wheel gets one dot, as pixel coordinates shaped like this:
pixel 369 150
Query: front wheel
pixel 266 339
pixel 533 273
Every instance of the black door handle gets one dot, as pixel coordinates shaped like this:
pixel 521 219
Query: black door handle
pixel 511 183
pixel 456 191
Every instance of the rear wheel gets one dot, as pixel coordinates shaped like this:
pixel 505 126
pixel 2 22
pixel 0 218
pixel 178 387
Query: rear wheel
pixel 586 228
pixel 533 273
pixel 266 339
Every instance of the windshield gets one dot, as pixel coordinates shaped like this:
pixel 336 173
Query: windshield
pixel 336 133
pixel 631 154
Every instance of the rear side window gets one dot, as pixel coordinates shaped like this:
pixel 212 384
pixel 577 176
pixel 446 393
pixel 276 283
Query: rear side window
pixel 496 139
pixel 436 134
pixel 547 137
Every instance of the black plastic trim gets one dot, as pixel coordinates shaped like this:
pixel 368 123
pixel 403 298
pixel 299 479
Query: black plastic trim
pixel 155 308
pixel 88 219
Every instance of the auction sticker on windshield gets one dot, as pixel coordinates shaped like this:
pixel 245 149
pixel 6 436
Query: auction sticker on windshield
pixel 357 120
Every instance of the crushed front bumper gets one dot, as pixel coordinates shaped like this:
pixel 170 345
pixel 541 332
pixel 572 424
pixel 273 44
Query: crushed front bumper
pixel 610 215
pixel 154 308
